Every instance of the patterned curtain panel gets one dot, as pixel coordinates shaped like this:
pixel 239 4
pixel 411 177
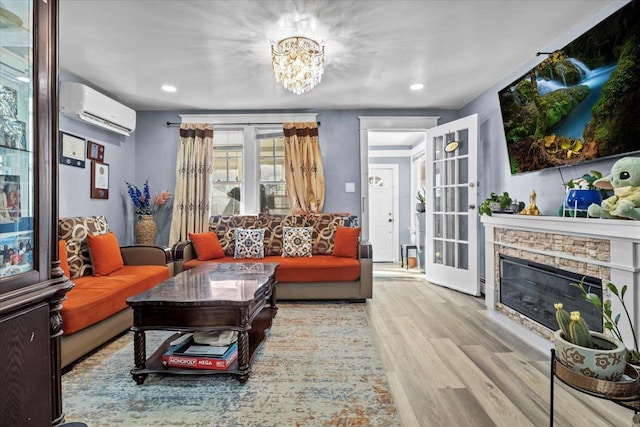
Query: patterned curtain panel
pixel 304 171
pixel 193 169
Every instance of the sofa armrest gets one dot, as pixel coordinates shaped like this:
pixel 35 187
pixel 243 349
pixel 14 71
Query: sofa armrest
pixel 365 250
pixel 183 251
pixel 365 255
pixel 146 255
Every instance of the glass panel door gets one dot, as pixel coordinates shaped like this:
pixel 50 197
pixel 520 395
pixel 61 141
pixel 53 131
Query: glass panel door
pixel 16 139
pixel 451 258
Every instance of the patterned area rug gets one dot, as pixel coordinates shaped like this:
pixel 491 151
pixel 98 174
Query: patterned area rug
pixel 318 367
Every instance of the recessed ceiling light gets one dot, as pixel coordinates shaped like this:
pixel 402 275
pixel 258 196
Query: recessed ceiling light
pixel 416 86
pixel 168 88
pixel 23 79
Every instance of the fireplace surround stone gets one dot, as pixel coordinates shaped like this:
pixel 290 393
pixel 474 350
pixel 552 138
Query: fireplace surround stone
pixel 605 248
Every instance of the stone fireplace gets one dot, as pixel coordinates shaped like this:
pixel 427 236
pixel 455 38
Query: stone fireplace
pixel 603 250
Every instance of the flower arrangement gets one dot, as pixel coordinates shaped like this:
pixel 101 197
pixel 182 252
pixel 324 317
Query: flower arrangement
pixel 143 202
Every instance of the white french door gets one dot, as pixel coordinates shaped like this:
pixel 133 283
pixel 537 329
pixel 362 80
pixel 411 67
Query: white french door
pixel 451 234
pixel 382 223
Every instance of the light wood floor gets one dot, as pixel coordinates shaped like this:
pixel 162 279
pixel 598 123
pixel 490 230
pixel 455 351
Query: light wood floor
pixel 449 364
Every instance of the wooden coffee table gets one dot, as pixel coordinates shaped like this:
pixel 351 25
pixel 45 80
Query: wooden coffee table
pixel 234 296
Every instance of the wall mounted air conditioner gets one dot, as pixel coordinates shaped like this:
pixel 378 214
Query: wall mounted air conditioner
pixel 83 103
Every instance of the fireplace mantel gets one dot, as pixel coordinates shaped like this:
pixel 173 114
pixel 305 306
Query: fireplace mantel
pixel 605 248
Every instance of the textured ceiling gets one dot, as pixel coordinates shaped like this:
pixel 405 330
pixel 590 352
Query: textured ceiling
pixel 217 53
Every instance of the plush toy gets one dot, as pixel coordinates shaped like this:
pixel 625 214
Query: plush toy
pixel 625 183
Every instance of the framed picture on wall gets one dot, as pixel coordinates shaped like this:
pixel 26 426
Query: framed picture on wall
pixel 99 180
pixel 72 150
pixel 95 151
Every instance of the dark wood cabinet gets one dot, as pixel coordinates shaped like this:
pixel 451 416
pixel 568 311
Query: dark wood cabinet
pixel 32 285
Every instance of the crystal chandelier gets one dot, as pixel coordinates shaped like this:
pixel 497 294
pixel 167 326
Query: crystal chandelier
pixel 298 63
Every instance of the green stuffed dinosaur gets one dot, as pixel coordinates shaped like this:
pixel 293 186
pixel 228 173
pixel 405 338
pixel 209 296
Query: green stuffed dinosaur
pixel 625 183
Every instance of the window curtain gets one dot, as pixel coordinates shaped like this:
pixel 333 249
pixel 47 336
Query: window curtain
pixel 191 206
pixel 304 172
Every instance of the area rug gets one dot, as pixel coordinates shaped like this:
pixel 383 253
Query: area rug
pixel 318 367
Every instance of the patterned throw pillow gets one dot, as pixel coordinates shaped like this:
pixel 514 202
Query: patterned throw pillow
pixel 74 231
pixel 297 241
pixel 249 243
pixel 272 224
pixel 225 228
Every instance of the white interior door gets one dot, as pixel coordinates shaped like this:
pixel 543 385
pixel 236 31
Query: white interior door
pixel 382 224
pixel 451 245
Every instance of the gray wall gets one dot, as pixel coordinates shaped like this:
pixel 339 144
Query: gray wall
pixel 151 152
pixel 74 183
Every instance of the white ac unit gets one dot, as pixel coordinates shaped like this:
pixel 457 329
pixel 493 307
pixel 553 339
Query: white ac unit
pixel 83 103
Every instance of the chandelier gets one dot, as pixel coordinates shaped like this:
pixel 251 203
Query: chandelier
pixel 298 63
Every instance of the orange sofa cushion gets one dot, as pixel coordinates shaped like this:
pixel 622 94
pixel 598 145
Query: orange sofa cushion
pixel 64 258
pixel 93 299
pixel 207 245
pixel 105 253
pixel 318 268
pixel 346 242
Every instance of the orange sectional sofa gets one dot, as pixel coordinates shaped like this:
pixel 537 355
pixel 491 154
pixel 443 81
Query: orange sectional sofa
pixel 95 310
pixel 323 275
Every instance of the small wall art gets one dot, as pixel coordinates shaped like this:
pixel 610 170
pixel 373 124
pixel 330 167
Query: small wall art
pixel 99 180
pixel 72 150
pixel 95 151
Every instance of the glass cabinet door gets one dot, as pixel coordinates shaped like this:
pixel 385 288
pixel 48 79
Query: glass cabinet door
pixel 16 138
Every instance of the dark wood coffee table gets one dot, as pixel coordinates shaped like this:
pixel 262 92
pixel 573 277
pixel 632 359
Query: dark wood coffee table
pixel 234 296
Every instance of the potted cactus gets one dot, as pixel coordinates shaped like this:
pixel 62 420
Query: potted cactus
pixel 588 352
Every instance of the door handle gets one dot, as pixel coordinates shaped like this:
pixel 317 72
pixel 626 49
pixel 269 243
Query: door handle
pixel 390 220
pixel 472 206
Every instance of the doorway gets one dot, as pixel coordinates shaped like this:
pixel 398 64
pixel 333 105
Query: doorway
pixel 383 205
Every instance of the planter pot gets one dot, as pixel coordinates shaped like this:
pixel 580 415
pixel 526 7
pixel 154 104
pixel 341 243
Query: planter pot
pixel 146 230
pixel 607 362
pixel 419 207
pixel 582 199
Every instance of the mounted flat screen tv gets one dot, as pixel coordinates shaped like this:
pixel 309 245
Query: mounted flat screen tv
pixel 580 104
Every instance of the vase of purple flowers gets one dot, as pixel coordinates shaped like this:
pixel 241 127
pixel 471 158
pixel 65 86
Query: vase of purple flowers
pixel 145 206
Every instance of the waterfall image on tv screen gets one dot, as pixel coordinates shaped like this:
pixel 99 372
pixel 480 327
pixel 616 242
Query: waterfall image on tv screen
pixel 581 103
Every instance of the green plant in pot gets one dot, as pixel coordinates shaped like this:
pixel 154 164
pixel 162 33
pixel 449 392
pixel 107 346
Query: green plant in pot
pixel 495 203
pixel 421 200
pixel 611 321
pixel 588 352
pixel 582 192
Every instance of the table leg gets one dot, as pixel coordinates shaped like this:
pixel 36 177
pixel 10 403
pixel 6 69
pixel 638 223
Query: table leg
pixel 139 355
pixel 243 357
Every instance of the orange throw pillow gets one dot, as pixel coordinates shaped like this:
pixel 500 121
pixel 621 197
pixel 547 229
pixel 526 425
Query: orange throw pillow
pixel 207 245
pixel 346 242
pixel 105 253
pixel 64 258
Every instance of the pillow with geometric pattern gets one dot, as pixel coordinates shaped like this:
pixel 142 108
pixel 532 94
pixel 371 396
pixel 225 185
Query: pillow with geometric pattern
pixel 296 241
pixel 249 243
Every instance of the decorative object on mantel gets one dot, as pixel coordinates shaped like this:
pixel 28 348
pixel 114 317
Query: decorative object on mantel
pixel 610 321
pixel 532 209
pixel 582 193
pixel 624 180
pixel 298 63
pixel 145 206
pixel 499 204
pixel 591 353
pixel 421 200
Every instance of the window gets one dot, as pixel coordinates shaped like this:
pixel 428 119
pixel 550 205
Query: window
pixel 248 161
pixel 248 172
pixel 273 186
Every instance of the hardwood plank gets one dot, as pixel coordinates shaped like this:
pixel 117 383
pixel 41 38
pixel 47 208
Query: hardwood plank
pixel 449 363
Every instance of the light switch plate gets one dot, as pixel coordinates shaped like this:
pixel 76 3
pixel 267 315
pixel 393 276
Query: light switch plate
pixel 350 187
